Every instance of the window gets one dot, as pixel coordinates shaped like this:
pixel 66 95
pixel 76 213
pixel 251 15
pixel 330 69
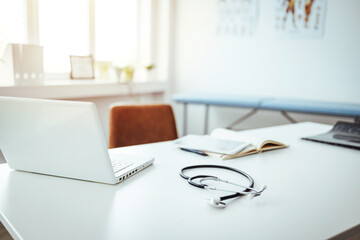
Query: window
pixel 63 31
pixel 116 31
pixel 13 22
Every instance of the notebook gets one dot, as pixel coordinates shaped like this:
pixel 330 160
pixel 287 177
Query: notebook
pixel 256 145
pixel 61 138
pixel 226 144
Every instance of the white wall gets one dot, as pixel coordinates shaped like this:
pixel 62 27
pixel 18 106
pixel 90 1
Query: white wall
pixel 326 68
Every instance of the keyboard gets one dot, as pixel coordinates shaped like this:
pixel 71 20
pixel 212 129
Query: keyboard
pixel 119 165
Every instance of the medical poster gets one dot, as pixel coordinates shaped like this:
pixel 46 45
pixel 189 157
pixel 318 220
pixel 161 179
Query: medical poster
pixel 300 18
pixel 236 17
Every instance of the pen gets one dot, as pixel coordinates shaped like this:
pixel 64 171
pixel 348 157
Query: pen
pixel 195 151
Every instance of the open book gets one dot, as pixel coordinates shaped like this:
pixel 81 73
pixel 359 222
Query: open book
pixel 255 145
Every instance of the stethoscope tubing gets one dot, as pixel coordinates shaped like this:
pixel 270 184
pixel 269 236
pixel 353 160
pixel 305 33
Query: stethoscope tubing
pixel 201 185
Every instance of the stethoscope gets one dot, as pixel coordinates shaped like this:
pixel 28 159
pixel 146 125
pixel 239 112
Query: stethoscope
pixel 218 202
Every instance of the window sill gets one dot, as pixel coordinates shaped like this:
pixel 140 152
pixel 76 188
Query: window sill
pixel 66 89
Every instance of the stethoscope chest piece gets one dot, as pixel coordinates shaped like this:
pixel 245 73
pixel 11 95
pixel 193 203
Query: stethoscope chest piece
pixel 215 202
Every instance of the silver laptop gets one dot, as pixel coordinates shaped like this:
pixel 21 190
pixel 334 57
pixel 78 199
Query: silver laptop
pixel 61 138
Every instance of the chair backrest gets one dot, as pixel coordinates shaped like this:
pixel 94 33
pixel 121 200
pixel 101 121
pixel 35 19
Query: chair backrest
pixel 140 124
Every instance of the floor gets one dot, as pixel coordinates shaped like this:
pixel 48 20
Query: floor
pixel 4 235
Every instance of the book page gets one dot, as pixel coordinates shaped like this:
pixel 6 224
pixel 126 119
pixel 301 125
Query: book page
pixel 260 143
pixel 251 149
pixel 270 145
pixel 236 136
pixel 211 144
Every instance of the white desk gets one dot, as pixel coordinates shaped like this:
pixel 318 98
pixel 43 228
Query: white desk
pixel 313 193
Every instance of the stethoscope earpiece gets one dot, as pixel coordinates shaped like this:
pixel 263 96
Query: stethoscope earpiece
pixel 255 193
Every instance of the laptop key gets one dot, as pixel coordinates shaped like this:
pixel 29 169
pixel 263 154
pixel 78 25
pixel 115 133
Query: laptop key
pixel 120 165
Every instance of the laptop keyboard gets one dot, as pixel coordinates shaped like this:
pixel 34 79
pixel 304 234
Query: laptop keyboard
pixel 119 165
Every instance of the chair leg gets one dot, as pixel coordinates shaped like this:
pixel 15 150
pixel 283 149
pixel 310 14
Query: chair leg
pixel 243 118
pixel 206 126
pixel 287 116
pixel 185 119
pixel 4 235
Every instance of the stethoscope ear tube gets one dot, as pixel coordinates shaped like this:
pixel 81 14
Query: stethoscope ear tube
pixel 199 185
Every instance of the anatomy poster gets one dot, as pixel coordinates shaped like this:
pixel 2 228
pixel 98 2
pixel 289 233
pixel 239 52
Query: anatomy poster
pixel 236 17
pixel 300 18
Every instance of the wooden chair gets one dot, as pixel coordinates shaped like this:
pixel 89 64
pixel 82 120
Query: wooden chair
pixel 4 234
pixel 140 124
